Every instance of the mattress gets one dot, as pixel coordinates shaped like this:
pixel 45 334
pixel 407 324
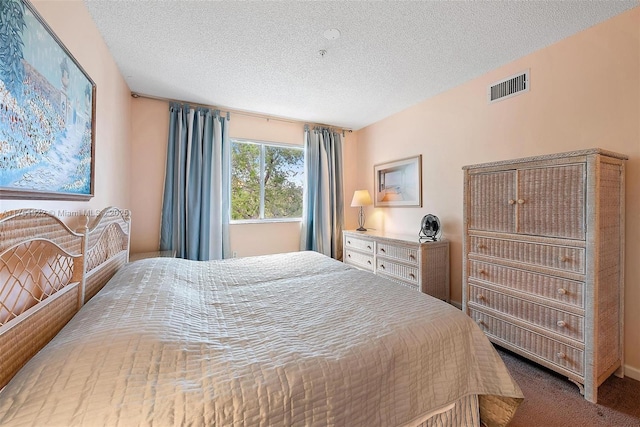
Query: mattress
pixel 288 339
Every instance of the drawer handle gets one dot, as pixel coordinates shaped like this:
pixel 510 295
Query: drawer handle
pixel 382 266
pixel 369 262
pixel 563 258
pixel 520 201
pixel 561 323
pixel 413 276
pixel 481 246
pixel 512 202
pixel 562 291
pixel 412 256
pixel 561 355
pixel 368 247
pixel 348 255
pixel 480 322
pixel 382 250
pixel 482 297
pixel 483 272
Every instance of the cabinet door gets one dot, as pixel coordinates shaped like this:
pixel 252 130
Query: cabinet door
pixel 492 201
pixel 551 201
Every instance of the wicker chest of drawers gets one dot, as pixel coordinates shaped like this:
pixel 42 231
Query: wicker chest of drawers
pixel 543 260
pixel 420 265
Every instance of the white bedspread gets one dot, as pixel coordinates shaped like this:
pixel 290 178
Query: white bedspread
pixel 281 340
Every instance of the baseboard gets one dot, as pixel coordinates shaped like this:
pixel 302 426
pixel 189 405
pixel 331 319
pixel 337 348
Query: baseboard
pixel 456 304
pixel 632 372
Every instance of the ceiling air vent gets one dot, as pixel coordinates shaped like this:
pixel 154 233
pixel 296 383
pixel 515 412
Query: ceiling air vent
pixel 511 86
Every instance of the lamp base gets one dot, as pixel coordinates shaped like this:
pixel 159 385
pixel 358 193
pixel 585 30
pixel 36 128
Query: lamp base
pixel 361 220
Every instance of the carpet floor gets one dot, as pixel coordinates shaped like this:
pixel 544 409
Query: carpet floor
pixel 551 400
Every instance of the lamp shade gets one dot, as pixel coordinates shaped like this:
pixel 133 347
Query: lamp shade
pixel 361 198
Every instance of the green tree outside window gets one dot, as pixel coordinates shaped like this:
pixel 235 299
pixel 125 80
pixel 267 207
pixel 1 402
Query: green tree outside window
pixel 266 181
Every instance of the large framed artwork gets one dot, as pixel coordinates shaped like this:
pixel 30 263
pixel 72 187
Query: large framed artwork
pixel 399 183
pixel 47 112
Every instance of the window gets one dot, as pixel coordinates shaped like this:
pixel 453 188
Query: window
pixel 267 181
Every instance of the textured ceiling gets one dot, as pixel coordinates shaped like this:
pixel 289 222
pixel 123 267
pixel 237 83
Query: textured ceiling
pixel 263 57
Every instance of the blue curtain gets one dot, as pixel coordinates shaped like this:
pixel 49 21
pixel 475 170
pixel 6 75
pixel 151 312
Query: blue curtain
pixel 323 208
pixel 195 207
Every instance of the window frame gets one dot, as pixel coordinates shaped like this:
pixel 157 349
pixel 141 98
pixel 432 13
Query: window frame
pixel 262 145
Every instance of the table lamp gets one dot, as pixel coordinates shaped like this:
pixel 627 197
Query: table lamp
pixel 361 198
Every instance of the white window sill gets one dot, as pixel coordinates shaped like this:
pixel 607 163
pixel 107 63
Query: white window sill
pixel 264 221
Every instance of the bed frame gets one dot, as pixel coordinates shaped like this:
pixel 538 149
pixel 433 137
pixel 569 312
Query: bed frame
pixel 48 272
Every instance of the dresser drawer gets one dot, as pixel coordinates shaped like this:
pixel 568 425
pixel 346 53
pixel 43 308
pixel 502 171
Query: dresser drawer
pixel 363 245
pixel 403 272
pixel 554 288
pixel 398 252
pixel 560 322
pixel 549 350
pixel 364 261
pixel 563 258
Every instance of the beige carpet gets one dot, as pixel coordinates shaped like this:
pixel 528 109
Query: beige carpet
pixel 551 400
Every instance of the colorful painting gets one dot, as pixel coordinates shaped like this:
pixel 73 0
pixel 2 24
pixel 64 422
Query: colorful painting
pixel 47 109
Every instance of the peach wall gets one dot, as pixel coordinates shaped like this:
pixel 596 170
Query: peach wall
pixel 72 23
pixel 351 180
pixel 150 123
pixel 149 134
pixel 585 92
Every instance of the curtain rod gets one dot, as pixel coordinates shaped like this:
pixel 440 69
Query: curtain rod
pixel 242 113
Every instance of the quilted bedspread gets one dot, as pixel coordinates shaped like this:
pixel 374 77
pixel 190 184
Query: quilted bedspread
pixel 279 340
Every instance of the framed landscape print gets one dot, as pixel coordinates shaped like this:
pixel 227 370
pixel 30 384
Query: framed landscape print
pixel 398 183
pixel 47 112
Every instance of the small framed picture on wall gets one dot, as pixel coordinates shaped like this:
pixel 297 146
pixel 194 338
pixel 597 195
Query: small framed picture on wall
pixel 398 183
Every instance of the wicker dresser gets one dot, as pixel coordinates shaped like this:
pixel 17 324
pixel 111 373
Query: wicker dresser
pixel 543 260
pixel 420 265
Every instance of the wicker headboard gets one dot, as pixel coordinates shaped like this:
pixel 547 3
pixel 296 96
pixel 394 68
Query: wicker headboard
pixel 41 273
pixel 47 272
pixel 107 248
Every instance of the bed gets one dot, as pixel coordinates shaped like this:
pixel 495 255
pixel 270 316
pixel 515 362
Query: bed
pixel 278 340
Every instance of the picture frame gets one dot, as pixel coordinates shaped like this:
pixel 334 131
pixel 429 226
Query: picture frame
pixel 398 183
pixel 47 113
